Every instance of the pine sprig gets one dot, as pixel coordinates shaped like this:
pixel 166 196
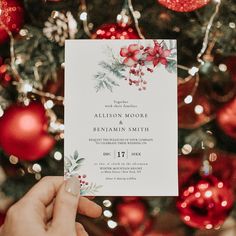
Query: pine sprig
pixel 103 81
pixel 115 68
pixel 91 189
pixel 73 164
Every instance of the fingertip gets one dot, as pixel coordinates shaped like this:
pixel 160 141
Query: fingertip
pixel 89 208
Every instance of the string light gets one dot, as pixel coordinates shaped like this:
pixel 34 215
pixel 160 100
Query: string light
pixel 57 156
pixel 49 104
pixel 83 16
pixel 107 213
pixel 223 67
pixel 232 25
pixel 13 159
pixel 107 203
pixel 186 149
pixel 198 109
pixel 37 168
pixel 188 99
pixel 136 22
pixel 207 33
pixel 112 224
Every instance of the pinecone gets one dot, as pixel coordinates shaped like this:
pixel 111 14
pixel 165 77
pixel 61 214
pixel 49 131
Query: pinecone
pixel 60 26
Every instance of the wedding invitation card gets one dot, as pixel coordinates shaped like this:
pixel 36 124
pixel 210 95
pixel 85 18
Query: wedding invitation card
pixel 121 116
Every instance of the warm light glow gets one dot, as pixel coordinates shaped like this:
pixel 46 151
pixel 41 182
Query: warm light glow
pixel 186 193
pixel 137 14
pixel 224 203
pixel 36 167
pixel 61 127
pixel 209 226
pixel 187 218
pixel 107 213
pixel 198 109
pixel 232 25
pixel 83 16
pixel 186 149
pixel 57 156
pixel 198 194
pixel 193 70
pixel 27 88
pixel 49 104
pixel 188 99
pixel 220 185
pixel 111 224
pixel 203 186
pixel 213 157
pixel 222 67
pixel 208 193
pixel 13 159
pixel 183 205
pixel 191 189
pixel 107 203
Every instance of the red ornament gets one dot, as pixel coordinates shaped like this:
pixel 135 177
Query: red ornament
pixel 205 202
pixel 195 112
pixel 23 132
pixel 184 5
pixel 11 17
pixel 131 213
pixel 115 31
pixel 226 118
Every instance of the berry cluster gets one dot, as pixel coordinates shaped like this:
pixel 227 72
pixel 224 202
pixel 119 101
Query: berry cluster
pixel 141 59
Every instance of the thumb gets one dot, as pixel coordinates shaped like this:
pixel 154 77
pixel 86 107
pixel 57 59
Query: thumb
pixel 66 204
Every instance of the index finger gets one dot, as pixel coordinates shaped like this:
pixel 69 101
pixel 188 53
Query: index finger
pixel 45 190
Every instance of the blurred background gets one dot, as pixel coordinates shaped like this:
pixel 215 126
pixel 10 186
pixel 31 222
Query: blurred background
pixel 32 37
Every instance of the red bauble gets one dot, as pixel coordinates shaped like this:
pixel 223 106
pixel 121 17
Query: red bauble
pixel 131 214
pixel 11 16
pixel 184 5
pixel 226 118
pixel 115 31
pixel 23 132
pixel 205 202
pixel 196 113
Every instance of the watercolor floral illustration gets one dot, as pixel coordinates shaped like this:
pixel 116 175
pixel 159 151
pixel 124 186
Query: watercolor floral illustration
pixel 72 164
pixel 132 64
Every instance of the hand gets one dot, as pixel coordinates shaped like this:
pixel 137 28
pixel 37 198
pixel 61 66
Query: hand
pixel 49 209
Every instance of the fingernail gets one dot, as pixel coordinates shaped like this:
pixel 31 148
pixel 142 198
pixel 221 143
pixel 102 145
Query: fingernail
pixel 73 186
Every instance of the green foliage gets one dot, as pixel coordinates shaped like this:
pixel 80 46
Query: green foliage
pixel 106 80
pixel 37 58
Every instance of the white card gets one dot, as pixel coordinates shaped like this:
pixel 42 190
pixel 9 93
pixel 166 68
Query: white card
pixel 121 116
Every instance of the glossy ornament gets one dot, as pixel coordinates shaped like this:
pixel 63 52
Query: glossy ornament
pixel 196 111
pixel 205 202
pixel 11 18
pixel 115 31
pixel 184 5
pixel 226 118
pixel 23 132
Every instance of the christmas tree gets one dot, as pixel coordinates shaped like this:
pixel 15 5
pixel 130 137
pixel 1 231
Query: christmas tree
pixel 32 38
